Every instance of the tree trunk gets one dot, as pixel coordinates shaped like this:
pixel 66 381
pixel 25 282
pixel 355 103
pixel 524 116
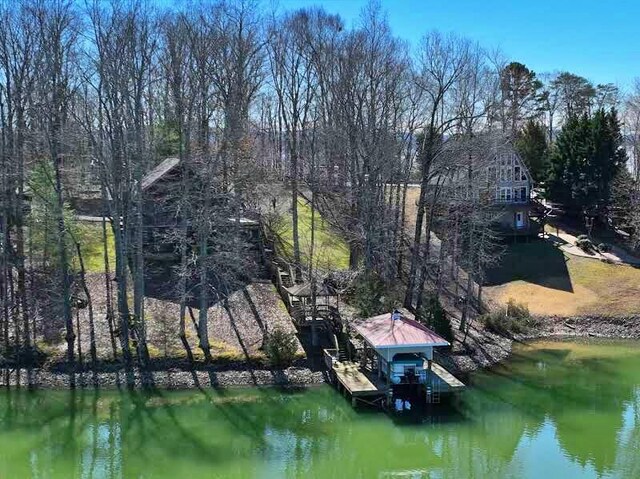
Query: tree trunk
pixel 92 331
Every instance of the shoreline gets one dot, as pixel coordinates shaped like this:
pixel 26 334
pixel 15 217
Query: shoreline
pixel 488 350
pixel 165 379
pixel 485 350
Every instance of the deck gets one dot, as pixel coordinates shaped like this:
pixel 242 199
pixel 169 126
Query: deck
pixel 449 379
pixel 355 381
pixel 363 385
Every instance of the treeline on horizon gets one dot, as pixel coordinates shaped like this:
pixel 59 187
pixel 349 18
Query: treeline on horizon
pixel 97 93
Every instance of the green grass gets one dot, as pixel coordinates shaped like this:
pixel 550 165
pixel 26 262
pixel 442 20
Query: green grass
pixel 534 262
pixel 330 252
pixel 89 235
pixel 554 283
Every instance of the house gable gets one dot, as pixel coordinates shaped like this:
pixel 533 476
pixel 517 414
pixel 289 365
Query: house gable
pixel 510 175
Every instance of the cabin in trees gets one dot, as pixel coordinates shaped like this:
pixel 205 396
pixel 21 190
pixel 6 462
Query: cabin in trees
pixel 511 179
pixel 184 211
pixel 488 173
pixel 173 198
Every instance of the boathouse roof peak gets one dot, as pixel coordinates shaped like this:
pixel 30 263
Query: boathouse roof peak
pixel 383 331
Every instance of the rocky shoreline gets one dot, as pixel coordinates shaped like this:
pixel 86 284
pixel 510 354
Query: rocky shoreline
pixel 487 349
pixel 169 379
pixel 623 327
pixel 484 350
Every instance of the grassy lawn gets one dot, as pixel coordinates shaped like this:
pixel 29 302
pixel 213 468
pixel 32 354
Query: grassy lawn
pixel 554 283
pixel 89 236
pixel 411 208
pixel 330 251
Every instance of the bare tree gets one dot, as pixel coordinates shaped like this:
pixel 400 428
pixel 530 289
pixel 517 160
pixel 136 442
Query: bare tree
pixel 443 62
pixel 18 50
pixel 294 84
pixel 237 73
pixel 58 31
pixel 122 59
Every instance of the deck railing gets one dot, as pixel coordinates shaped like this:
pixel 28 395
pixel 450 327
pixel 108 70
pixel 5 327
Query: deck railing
pixel 511 200
pixel 330 357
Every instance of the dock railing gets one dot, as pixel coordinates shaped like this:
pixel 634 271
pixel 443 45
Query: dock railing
pixel 330 357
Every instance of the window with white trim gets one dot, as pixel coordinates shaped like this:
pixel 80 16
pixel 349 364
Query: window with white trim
pixel 505 194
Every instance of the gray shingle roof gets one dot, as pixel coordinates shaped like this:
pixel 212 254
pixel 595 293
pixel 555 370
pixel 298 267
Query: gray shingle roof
pixel 159 171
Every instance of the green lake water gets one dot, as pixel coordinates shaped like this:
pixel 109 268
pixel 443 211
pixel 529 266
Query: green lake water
pixel 555 410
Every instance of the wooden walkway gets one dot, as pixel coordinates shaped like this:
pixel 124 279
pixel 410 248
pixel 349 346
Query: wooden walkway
pixel 446 376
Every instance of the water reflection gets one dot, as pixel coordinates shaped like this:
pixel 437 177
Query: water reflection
pixel 559 410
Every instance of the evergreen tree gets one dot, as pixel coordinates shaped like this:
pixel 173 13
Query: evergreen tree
pixel 623 200
pixel 520 96
pixel 568 157
pixel 41 220
pixel 585 159
pixel 608 156
pixel 533 148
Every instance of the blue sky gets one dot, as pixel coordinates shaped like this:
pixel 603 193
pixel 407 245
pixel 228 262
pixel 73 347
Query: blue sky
pixel 599 40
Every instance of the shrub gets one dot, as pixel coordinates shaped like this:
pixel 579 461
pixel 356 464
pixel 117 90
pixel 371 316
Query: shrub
pixel 604 247
pixel 497 322
pixel 434 316
pixel 372 296
pixel 585 244
pixel 517 310
pixel 281 347
pixel 514 319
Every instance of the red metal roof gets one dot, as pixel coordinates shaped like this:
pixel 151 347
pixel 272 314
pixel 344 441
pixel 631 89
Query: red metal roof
pixel 381 331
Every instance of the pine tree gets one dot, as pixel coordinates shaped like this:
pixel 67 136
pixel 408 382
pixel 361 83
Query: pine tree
pixel 520 95
pixel 568 159
pixel 533 148
pixel 584 161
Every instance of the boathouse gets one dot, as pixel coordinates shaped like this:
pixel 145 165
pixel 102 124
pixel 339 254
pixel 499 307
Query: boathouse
pixel 395 360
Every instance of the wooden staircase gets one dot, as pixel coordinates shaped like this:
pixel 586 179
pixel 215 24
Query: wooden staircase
pixel 343 347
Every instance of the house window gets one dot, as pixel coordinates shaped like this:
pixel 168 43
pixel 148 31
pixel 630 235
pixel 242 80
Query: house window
pixel 505 194
pixel 523 194
pixel 506 173
pixel 516 173
pixel 492 173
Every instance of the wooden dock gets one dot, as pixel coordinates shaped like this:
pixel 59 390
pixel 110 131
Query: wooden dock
pixel 445 376
pixel 353 381
pixel 356 383
pixel 363 385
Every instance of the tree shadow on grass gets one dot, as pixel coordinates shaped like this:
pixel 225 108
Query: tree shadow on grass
pixel 539 262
